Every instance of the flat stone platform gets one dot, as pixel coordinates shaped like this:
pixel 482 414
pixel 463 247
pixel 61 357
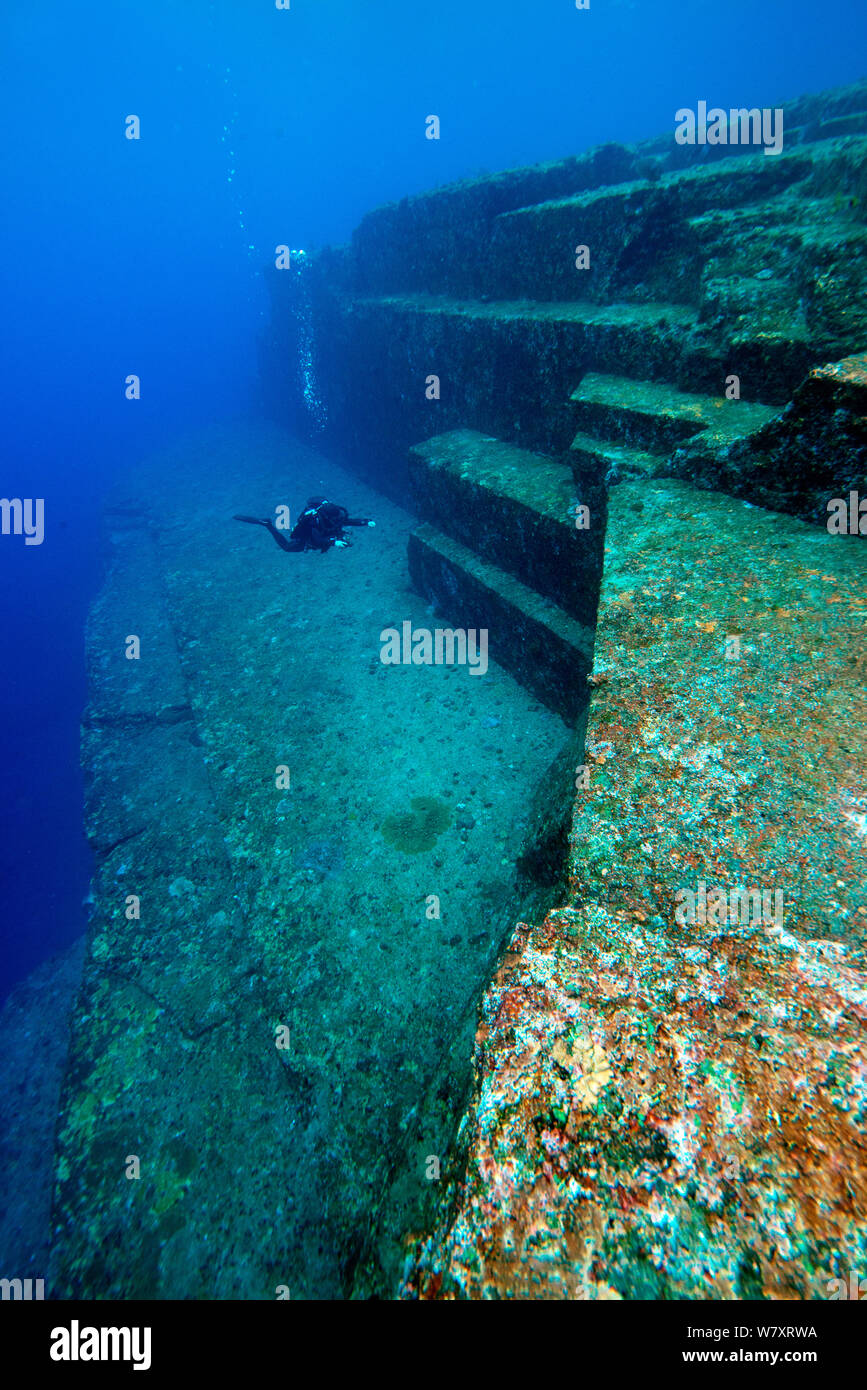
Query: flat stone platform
pixel 351 913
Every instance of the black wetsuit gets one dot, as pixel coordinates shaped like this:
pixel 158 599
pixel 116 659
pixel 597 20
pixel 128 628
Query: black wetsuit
pixel 319 527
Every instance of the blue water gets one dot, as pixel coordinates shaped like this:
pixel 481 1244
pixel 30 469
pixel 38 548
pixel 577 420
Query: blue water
pixel 259 127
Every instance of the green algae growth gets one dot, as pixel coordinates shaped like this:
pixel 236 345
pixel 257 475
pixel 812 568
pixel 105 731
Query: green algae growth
pixel 413 832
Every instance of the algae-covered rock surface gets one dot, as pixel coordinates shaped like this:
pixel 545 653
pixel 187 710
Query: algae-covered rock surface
pixel 310 858
pixel 306 870
pixel 34 1036
pixel 670 1070
pixel 703 263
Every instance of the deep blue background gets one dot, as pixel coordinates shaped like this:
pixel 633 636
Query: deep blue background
pixel 258 126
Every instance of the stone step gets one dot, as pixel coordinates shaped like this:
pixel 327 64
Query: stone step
pixel 772 254
pixel 438 240
pixel 506 368
pixel 514 508
pixel 583 313
pixel 812 452
pixel 632 229
pixel 835 127
pixel 777 220
pixel 595 460
pixel 543 647
pixel 651 415
pixel 560 333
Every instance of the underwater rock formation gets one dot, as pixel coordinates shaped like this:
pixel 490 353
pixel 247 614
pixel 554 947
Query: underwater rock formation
pixel 669 1070
pixel 274 1030
pixel 30 1081
pixel 724 262
pixel 667 1110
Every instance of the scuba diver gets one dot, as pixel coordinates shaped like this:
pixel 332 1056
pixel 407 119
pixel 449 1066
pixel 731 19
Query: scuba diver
pixel 319 527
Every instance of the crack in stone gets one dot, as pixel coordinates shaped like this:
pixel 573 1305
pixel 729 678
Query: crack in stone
pixel 168 715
